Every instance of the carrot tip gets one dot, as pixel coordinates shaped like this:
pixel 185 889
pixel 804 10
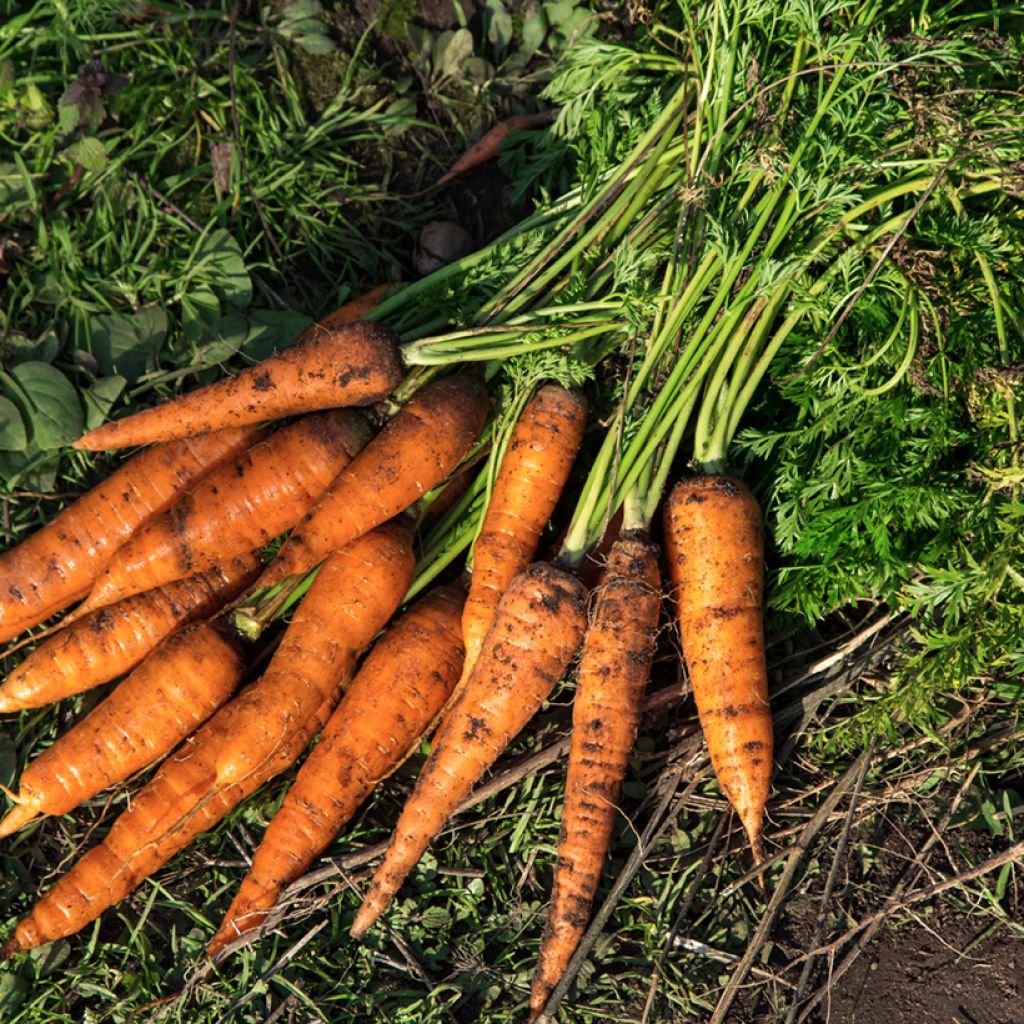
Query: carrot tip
pixel 366 917
pixel 10 948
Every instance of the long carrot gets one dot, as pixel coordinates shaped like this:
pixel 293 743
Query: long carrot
pixel 714 542
pixel 355 364
pixel 241 506
pixel 401 685
pixel 184 681
pixel 182 800
pixel 355 593
pixel 191 791
pixel 538 626
pixel 614 668
pixel 111 641
pixel 417 449
pixel 527 487
pixel 59 563
pixel 489 144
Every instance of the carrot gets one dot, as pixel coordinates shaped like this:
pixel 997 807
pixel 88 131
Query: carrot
pixel 487 146
pixel 355 593
pixel 182 800
pixel 537 628
pixel 400 687
pixel 192 791
pixel 109 642
pixel 714 544
pixel 356 364
pixel 173 691
pixel 614 668
pixel 417 449
pixel 527 487
pixel 355 309
pixel 241 506
pixel 58 564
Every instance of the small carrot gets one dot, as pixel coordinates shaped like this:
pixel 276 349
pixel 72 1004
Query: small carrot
pixel 241 506
pixel 184 681
pixel 416 450
pixel 537 628
pixel 355 309
pixel 355 593
pixel 488 145
pixel 714 544
pixel 401 685
pixel 181 801
pixel 59 563
pixel 111 641
pixel 529 482
pixel 356 364
pixel 614 668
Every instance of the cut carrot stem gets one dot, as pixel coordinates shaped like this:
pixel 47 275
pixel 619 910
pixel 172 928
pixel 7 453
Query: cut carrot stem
pixel 529 482
pixel 354 594
pixel 403 683
pixel 714 545
pixel 59 563
pixel 241 506
pixel 111 641
pixel 354 364
pixel 181 684
pixel 537 628
pixel 424 442
pixel 614 668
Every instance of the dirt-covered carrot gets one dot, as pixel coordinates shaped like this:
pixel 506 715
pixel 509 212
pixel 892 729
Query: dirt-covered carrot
pixel 111 641
pixel 59 563
pixel 415 451
pixel 526 489
pixel 401 685
pixel 181 801
pixel 355 593
pixel 489 144
pixel 538 626
pixel 181 684
pixel 354 364
pixel 614 668
pixel 714 544
pixel 241 506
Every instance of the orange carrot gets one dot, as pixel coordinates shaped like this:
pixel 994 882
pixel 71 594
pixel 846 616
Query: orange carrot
pixel 192 791
pixel 355 593
pixel 241 506
pixel 355 309
pixel 59 563
pixel 109 642
pixel 537 628
pixel 400 687
pixel 528 485
pixel 182 800
pixel 714 544
pixel 614 668
pixel 487 146
pixel 414 452
pixel 356 364
pixel 173 691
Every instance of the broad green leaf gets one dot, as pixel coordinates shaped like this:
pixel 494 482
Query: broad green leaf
pixel 271 329
pixel 128 345
pixel 228 337
pixel 49 404
pixel 200 313
pixel 32 469
pixel 220 265
pixel 89 152
pixel 455 50
pixel 100 398
pixel 499 26
pixel 69 116
pixel 535 30
pixel 12 431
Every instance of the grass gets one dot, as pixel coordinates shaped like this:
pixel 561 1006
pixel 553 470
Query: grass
pixel 249 174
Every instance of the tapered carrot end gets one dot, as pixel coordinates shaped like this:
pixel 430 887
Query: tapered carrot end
pixel 10 948
pixel 17 819
pixel 366 917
